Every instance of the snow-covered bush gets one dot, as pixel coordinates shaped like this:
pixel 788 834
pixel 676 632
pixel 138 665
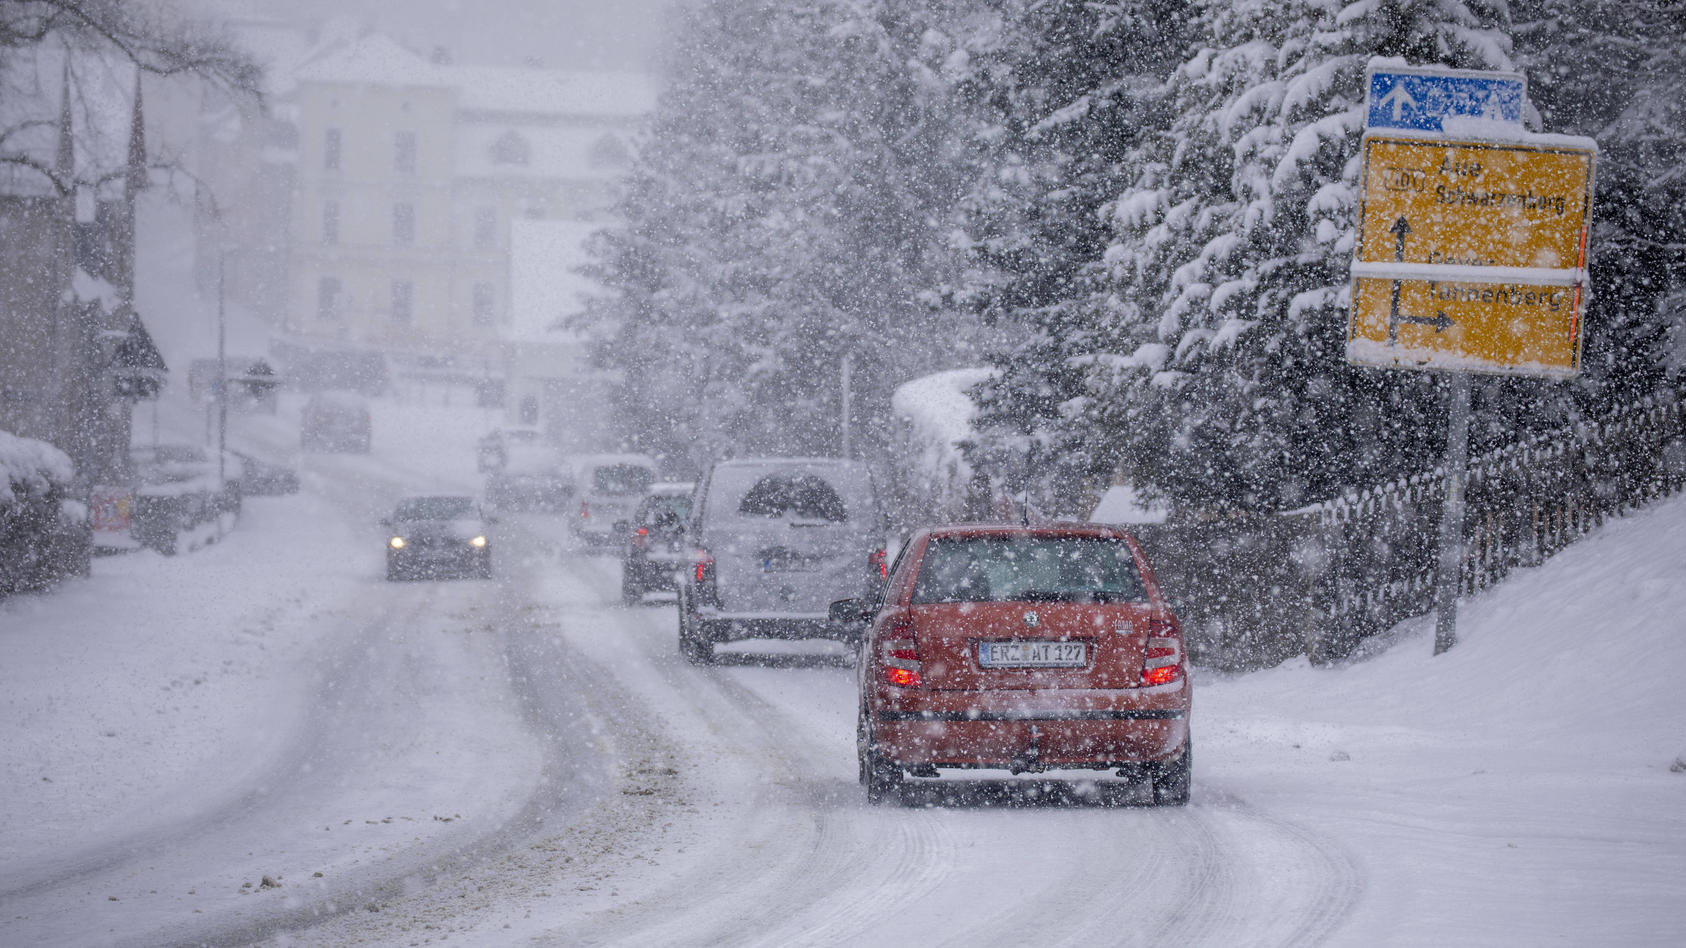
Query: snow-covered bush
pixel 43 530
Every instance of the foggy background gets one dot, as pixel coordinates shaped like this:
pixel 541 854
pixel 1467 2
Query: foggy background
pixel 558 34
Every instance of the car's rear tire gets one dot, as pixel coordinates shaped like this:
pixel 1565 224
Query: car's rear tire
pixel 694 643
pixel 1173 779
pixel 881 776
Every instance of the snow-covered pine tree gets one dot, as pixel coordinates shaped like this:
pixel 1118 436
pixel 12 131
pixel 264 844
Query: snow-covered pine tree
pixel 785 211
pixel 1055 106
pixel 1616 71
pixel 1230 261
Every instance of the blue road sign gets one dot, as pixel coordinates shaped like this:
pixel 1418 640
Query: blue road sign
pixel 1418 101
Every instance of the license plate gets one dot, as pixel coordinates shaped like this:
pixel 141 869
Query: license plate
pixel 1032 654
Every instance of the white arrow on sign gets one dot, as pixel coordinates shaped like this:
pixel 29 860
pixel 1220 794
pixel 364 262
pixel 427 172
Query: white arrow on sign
pixel 1399 99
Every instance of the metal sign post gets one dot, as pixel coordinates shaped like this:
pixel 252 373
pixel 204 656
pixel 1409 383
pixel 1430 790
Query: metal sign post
pixel 1446 579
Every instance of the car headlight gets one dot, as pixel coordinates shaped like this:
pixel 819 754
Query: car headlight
pixel 477 541
pixel 397 543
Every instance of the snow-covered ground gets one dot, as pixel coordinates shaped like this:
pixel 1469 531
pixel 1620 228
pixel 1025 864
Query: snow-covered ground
pixel 527 762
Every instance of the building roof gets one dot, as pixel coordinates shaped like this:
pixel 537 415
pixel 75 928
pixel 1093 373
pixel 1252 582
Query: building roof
pixel 375 59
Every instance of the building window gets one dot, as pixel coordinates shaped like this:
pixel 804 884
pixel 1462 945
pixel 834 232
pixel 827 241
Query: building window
pixel 485 228
pixel 330 223
pixel 331 150
pixel 404 225
pixel 404 152
pixel 328 299
pixel 403 295
pixel 511 149
pixel 484 310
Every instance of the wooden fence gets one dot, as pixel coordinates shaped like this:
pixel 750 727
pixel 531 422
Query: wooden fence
pixel 1254 591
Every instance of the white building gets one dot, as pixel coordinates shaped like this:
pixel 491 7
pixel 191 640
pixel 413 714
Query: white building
pixel 417 182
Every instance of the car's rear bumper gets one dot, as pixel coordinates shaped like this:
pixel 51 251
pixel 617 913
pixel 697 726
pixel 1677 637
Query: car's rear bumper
pixel 1008 729
pixel 726 626
pixel 653 574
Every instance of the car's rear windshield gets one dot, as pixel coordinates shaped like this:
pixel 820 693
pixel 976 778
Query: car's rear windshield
pixel 666 510
pixel 1028 569
pixel 434 508
pixel 622 480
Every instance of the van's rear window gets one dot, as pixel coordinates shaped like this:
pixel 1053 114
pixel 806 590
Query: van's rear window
pixel 795 497
pixel 1028 569
pixel 622 480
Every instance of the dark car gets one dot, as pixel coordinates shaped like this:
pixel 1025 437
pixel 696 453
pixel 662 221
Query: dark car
pixel 656 550
pixel 438 536
pixel 335 421
pixel 777 540
pixel 1026 650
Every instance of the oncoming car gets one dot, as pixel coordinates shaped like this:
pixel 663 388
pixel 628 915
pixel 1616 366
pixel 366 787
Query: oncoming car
pixel 438 535
pixel 1023 649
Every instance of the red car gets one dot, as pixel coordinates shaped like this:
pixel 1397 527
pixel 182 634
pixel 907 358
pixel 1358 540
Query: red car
pixel 1026 649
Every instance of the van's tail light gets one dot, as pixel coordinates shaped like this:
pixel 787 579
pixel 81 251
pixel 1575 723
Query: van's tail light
pixel 1164 658
pixel 641 538
pixel 899 653
pixel 703 573
pixel 879 564
pixel 585 510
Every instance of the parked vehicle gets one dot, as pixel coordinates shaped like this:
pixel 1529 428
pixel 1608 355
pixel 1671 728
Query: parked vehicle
pixel 335 421
pixel 523 471
pixel 182 496
pixel 1024 649
pixel 777 539
pixel 438 535
pixel 656 550
pixel 609 488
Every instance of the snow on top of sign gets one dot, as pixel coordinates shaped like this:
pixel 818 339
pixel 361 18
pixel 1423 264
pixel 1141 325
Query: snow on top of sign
pixel 1459 273
pixel 1484 133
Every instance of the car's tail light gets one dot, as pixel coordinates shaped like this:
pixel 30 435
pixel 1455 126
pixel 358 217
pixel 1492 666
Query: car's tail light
pixel 703 573
pixel 641 538
pixel 899 653
pixel 1163 662
pixel 879 564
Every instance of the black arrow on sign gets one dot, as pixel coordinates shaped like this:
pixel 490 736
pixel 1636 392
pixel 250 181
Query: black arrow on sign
pixel 1440 321
pixel 1400 228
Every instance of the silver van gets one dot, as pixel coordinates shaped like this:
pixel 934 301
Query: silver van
pixel 778 540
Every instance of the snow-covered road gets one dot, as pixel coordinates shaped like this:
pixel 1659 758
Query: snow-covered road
pixel 529 762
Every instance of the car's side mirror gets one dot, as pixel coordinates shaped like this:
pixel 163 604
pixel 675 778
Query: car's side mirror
pixel 849 612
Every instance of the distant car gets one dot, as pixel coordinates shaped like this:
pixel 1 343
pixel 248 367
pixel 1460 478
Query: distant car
pixel 609 488
pixel 524 471
pixel 260 477
pixel 656 551
pixel 436 536
pixel 1024 649
pixel 335 421
pixel 777 540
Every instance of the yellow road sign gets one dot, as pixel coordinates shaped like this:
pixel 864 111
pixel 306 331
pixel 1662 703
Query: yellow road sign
pixel 1506 328
pixel 1475 204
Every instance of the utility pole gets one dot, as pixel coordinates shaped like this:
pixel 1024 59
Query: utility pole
pixel 848 383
